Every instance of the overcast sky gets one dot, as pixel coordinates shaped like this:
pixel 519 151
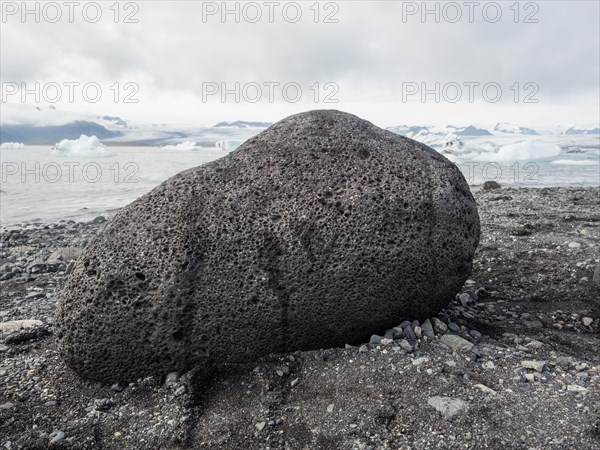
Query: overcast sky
pixel 372 54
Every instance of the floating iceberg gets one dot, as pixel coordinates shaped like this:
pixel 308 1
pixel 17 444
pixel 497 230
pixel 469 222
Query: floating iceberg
pixel 84 146
pixel 452 146
pixel 521 151
pixel 12 146
pixel 187 145
pixel 470 151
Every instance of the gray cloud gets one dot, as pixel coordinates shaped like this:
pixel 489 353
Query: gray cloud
pixel 369 53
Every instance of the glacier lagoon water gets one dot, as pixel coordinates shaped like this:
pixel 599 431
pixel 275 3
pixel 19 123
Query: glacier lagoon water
pixel 39 186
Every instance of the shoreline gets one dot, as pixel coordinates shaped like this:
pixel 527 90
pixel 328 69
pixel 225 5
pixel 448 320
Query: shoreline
pixel 109 213
pixel 515 352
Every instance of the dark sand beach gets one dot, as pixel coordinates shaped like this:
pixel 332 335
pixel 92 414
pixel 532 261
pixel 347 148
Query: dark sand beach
pixel 512 363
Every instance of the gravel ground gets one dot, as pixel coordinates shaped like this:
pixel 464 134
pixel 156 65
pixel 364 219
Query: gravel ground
pixel 512 363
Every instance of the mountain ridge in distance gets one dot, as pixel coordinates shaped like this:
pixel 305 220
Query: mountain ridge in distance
pixel 243 124
pixel 51 134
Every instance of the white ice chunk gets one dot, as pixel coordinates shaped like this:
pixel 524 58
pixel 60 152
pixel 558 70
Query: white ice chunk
pixel 83 146
pixel 12 146
pixel 521 151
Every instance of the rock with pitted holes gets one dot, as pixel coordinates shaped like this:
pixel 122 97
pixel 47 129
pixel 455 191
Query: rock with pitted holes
pixel 322 230
pixel 596 276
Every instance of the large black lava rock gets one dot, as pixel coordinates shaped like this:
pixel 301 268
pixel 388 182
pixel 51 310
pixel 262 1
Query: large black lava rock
pixel 320 231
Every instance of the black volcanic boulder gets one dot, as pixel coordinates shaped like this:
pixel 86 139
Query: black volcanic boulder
pixel 320 231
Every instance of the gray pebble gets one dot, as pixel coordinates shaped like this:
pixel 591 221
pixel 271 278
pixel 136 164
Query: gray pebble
pixel 439 326
pixel 418 332
pixel 427 329
pixel 582 376
pixel 464 299
pixel 538 366
pixel 566 362
pixel 405 345
pixel 283 371
pixel 456 342
pixel 447 406
pixel 398 332
pixel 375 339
pixel 453 327
pixel 118 387
pixel 410 334
pixel 476 334
pixel 172 377
pixel 103 404
pixel 56 437
pixel 180 391
pixel 533 324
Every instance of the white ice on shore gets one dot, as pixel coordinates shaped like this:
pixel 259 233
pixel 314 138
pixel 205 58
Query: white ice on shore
pixel 453 147
pixel 229 144
pixel 186 145
pixel 12 146
pixel 521 151
pixel 83 146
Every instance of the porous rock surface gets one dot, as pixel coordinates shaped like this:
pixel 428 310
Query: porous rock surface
pixel 319 231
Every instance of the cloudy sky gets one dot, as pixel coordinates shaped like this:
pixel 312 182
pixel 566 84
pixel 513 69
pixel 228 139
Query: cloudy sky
pixel 534 64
